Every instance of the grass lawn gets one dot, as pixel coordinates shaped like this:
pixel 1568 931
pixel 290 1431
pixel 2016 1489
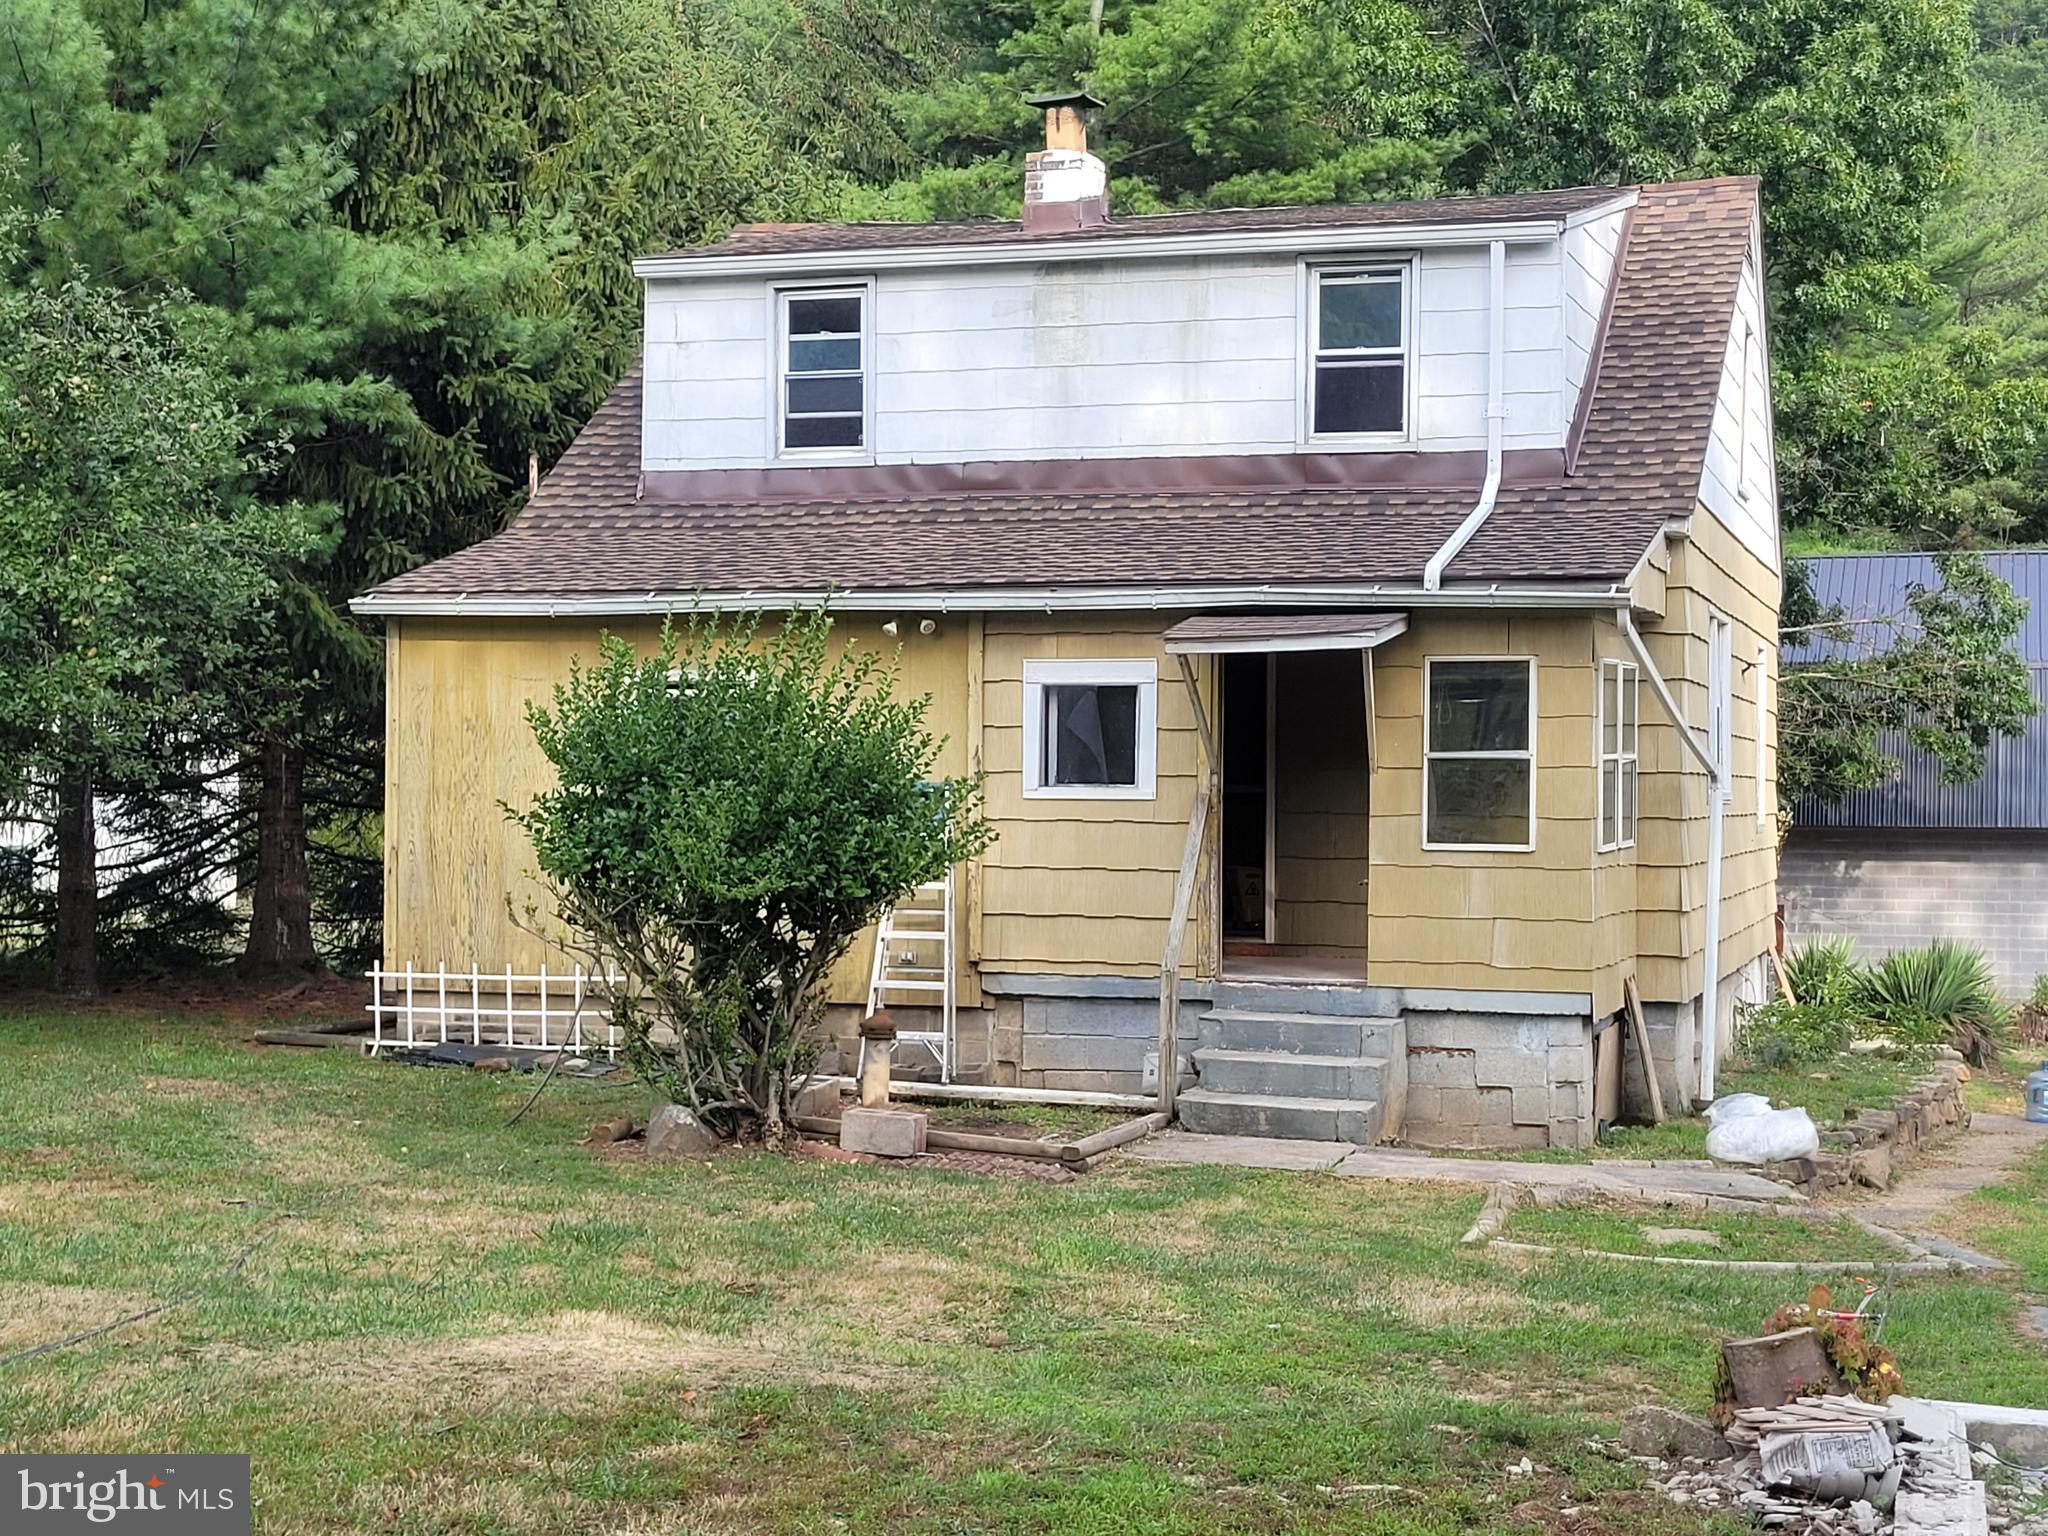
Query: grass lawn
pixel 456 1326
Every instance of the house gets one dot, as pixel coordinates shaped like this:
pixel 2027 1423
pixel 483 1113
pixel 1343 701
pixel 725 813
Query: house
pixel 1917 859
pixel 1363 617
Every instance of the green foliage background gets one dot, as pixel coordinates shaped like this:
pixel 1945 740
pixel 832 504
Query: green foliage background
pixel 409 223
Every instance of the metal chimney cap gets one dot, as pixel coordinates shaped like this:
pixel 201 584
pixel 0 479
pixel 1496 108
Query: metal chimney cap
pixel 1064 99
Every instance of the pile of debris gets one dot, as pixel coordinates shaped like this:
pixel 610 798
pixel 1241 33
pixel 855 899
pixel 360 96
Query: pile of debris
pixel 1835 1466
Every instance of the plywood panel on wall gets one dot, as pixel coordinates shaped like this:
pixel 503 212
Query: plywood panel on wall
pixel 459 749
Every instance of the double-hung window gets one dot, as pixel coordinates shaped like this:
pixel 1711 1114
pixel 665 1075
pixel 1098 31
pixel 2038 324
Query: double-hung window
pixel 823 371
pixel 1479 753
pixel 1091 729
pixel 1358 334
pixel 1617 726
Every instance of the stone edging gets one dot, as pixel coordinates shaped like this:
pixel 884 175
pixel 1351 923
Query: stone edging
pixel 1883 1139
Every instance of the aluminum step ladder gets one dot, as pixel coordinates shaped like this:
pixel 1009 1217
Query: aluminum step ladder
pixel 914 965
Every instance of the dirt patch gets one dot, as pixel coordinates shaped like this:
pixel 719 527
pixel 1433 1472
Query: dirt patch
pixel 1430 1302
pixel 559 1359
pixel 36 1314
pixel 205 1090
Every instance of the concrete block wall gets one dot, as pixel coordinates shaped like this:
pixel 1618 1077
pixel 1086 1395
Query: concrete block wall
pixel 1499 1080
pixel 1094 1044
pixel 1891 890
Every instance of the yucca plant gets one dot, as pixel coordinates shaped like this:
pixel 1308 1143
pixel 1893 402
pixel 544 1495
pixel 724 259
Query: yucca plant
pixel 1943 993
pixel 1824 970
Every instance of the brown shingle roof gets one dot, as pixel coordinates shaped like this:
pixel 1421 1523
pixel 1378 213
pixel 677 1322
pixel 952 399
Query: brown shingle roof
pixel 793 239
pixel 590 533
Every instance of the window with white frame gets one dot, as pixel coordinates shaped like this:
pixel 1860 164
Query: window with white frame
pixel 1479 753
pixel 1358 334
pixel 1091 729
pixel 822 388
pixel 1617 726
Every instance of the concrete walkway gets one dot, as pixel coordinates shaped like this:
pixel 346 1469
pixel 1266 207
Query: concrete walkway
pixel 1947 1172
pixel 1636 1180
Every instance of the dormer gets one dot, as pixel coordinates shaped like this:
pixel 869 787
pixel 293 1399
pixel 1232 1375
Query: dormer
pixel 1073 334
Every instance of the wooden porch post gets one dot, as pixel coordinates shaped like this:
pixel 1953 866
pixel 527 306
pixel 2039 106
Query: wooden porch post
pixel 1183 897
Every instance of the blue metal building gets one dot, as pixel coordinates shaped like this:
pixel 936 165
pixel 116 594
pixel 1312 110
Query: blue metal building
pixel 1915 858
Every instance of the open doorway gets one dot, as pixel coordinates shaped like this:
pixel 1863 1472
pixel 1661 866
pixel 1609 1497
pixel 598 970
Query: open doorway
pixel 1294 839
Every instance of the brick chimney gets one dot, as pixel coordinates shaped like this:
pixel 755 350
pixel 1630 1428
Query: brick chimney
pixel 1065 187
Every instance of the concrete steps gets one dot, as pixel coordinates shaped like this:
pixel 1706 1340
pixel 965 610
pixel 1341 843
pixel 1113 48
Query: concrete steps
pixel 1291 1074
pixel 1301 1063
pixel 1213 1112
pixel 1318 1034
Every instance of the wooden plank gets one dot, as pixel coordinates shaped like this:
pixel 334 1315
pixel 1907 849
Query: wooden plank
pixel 1639 1031
pixel 1169 963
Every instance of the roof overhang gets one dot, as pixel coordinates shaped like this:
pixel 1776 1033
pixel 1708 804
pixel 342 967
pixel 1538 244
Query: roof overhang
pixel 481 605
pixel 1286 242
pixel 1221 634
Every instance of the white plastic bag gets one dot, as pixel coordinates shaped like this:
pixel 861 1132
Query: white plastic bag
pixel 1775 1136
pixel 1736 1106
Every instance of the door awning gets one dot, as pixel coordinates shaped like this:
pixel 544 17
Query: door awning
pixel 1207 634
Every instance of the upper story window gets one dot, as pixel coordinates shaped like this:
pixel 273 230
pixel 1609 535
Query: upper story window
pixel 1358 330
pixel 823 363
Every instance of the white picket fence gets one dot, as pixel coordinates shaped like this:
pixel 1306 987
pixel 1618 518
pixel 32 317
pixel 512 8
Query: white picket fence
pixel 544 1011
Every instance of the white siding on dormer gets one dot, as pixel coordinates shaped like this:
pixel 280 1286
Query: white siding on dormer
pixel 1590 248
pixel 1740 483
pixel 1100 359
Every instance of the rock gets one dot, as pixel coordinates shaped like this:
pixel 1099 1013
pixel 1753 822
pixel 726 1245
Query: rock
pixel 1872 1167
pixel 1651 1430
pixel 673 1132
pixel 1778 1367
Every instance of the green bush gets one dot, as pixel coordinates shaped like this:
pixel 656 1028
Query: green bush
pixel 1782 1033
pixel 1825 968
pixel 1943 993
pixel 732 809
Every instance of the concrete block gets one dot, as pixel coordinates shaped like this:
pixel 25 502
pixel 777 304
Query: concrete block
pixel 1457 1107
pixel 1441 1069
pixel 1496 1108
pixel 1569 1101
pixel 884 1132
pixel 1569 1032
pixel 1531 1105
pixel 1513 1068
pixel 1570 1063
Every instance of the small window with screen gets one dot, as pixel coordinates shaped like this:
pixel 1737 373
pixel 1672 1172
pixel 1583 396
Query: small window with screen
pixel 824 371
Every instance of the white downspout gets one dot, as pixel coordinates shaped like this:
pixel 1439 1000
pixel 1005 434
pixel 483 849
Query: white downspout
pixel 1496 417
pixel 1710 980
